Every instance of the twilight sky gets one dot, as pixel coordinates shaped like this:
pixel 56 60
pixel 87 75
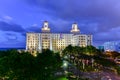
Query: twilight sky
pixel 101 18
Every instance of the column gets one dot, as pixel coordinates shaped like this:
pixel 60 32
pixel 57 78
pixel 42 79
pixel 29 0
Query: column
pixel 50 41
pixel 40 42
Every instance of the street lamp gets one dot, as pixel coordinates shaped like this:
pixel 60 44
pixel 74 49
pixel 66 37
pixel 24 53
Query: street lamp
pixel 65 64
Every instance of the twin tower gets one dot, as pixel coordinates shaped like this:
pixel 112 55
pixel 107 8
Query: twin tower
pixel 46 28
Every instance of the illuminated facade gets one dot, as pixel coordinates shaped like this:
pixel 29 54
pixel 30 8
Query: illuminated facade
pixel 56 41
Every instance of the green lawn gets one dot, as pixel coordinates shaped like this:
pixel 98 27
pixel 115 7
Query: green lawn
pixel 62 78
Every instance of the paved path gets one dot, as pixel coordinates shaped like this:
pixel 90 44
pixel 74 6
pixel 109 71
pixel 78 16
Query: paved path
pixel 101 76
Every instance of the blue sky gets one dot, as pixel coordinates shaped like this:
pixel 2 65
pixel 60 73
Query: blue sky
pixel 101 18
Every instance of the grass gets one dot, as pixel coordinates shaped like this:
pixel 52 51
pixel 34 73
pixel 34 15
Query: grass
pixel 62 78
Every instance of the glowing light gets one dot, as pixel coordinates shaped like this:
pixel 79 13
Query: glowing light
pixel 65 64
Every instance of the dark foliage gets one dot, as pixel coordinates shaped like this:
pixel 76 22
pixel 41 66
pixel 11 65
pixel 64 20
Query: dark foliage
pixel 24 66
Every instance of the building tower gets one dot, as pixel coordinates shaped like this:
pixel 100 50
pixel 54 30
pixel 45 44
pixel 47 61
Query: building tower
pixel 45 27
pixel 75 29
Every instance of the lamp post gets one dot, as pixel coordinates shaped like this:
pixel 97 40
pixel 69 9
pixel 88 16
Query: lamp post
pixel 65 66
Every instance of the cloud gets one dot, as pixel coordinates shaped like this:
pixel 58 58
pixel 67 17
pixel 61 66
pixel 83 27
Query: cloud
pixel 11 39
pixel 81 8
pixel 7 18
pixel 4 26
pixel 33 28
pixel 59 25
pixel 98 17
pixel 105 12
pixel 11 36
pixel 34 25
pixel 111 35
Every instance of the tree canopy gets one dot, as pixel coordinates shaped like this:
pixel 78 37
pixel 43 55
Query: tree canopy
pixel 24 66
pixel 88 50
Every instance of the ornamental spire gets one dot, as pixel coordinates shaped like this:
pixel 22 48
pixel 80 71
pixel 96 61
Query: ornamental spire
pixel 75 28
pixel 45 27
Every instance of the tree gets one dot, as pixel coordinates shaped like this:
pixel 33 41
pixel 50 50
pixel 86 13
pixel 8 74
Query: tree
pixel 24 66
pixel 91 50
pixel 68 50
pixel 112 54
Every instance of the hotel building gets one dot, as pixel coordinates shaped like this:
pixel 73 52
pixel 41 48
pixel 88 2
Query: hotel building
pixel 56 41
